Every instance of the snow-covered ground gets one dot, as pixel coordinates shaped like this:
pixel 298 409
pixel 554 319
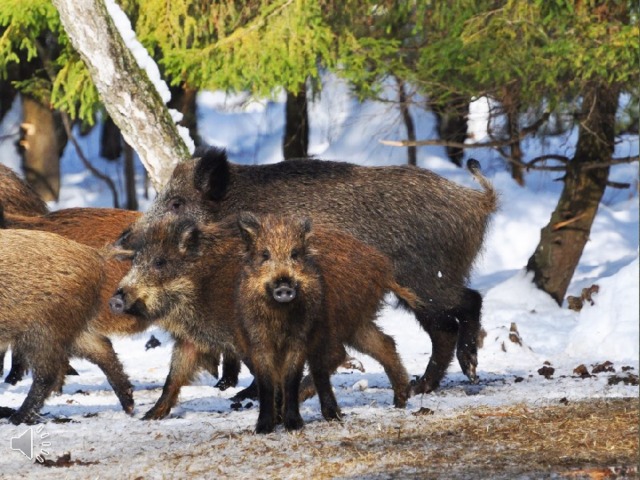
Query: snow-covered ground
pixel 207 435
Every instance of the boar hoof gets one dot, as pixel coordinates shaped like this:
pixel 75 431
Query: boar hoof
pixel 6 412
pixel 294 422
pixel 468 363
pixel 332 414
pixel 251 392
pixel 29 418
pixel 422 385
pixel 265 425
pixel 156 414
pixel 14 376
pixel 400 401
pixel 225 383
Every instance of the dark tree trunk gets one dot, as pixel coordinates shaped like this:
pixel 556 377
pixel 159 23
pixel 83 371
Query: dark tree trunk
pixel 183 99
pixel 130 178
pixel 110 140
pixel 563 239
pixel 452 121
pixel 43 140
pixel 296 133
pixel 7 95
pixel 412 151
pixel 511 105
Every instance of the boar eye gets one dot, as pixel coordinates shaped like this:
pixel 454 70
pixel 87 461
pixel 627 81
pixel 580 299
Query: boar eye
pixel 265 255
pixel 175 205
pixel 295 254
pixel 159 263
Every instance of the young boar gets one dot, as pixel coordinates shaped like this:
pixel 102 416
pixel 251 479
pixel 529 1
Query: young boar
pixel 186 276
pixel 50 293
pixel 302 296
pixel 430 227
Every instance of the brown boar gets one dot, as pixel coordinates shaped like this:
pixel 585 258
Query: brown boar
pixel 97 227
pixel 186 276
pixel 50 292
pixel 285 318
pixel 17 196
pixel 431 228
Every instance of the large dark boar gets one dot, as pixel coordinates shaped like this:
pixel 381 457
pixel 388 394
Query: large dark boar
pixel 186 276
pixel 431 228
pixel 50 293
pixel 302 296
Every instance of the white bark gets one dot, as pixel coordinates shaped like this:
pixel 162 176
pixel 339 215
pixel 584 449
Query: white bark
pixel 125 89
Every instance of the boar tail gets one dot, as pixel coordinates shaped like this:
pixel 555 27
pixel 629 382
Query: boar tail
pixel 406 296
pixel 490 199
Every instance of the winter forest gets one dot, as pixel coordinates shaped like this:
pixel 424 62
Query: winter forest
pixel 317 239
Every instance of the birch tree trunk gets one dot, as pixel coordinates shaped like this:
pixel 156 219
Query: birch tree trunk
pixel 129 96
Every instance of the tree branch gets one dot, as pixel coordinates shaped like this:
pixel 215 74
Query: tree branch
pixel 67 127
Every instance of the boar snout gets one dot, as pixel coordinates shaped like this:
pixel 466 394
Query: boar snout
pixel 116 303
pixel 284 291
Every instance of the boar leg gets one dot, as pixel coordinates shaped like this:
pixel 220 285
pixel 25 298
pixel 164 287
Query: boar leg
pixel 468 314
pixel 231 365
pixel 291 418
pixel 210 361
pixel 184 366
pixel 267 392
pixel 99 350
pixel 369 339
pixel 48 371
pixel 19 367
pixel 324 358
pixel 442 327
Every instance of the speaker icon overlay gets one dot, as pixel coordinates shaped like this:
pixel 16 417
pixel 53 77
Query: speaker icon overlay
pixel 24 443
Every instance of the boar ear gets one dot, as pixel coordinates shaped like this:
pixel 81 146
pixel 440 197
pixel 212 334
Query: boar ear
pixel 113 252
pixel 211 175
pixel 305 228
pixel 249 226
pixel 189 243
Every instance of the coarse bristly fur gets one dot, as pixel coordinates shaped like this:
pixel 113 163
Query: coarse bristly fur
pixel 185 276
pixel 285 252
pixel 94 227
pixel 431 228
pixel 17 196
pixel 50 293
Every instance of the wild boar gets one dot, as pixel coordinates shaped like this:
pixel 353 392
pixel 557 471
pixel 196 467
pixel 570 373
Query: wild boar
pixel 186 275
pixel 431 228
pixel 97 227
pixel 303 294
pixel 50 293
pixel 17 196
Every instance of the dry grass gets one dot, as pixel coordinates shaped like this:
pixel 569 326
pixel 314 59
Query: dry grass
pixel 574 440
